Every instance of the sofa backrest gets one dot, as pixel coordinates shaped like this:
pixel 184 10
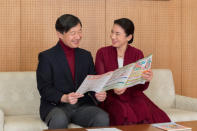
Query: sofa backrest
pixel 18 93
pixel 161 89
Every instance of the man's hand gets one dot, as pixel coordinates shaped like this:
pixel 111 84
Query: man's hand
pixel 119 91
pixel 147 75
pixel 71 98
pixel 101 96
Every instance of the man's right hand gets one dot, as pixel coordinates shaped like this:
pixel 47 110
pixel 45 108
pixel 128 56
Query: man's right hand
pixel 71 98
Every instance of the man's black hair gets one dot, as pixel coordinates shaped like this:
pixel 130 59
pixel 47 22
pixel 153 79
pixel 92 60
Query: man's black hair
pixel 65 22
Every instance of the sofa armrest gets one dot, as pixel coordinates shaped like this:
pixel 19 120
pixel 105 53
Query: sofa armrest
pixel 186 103
pixel 1 120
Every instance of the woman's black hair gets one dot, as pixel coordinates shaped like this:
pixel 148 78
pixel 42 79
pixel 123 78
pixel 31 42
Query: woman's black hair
pixel 65 22
pixel 127 25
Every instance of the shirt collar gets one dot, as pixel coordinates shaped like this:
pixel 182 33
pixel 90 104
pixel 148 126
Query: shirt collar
pixel 65 47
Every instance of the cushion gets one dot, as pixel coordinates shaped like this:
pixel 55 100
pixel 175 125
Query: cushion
pixel 180 115
pixel 27 123
pixel 19 94
pixel 24 123
pixel 161 88
pixel 1 120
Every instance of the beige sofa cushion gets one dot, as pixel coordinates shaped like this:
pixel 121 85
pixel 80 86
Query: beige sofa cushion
pixel 186 103
pixel 24 123
pixel 19 94
pixel 161 88
pixel 27 123
pixel 181 115
pixel 1 120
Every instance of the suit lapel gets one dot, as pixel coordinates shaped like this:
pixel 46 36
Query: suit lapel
pixel 77 66
pixel 63 63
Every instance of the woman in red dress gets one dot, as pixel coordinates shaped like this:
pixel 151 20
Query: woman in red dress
pixel 127 105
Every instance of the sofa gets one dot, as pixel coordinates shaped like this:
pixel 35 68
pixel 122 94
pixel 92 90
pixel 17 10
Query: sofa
pixel 19 102
pixel 20 99
pixel 162 92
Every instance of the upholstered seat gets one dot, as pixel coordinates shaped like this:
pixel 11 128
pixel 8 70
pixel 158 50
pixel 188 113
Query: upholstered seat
pixel 181 115
pixel 162 92
pixel 19 100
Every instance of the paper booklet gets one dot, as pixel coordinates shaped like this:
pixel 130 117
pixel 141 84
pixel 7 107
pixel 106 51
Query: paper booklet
pixel 171 126
pixel 104 129
pixel 126 76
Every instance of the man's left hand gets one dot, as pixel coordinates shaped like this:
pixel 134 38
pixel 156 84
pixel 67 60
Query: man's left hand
pixel 101 96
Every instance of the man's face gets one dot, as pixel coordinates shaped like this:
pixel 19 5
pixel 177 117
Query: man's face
pixel 72 37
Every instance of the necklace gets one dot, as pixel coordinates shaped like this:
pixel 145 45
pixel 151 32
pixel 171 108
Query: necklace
pixel 121 56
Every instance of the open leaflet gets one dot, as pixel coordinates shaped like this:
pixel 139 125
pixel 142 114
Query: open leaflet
pixel 126 76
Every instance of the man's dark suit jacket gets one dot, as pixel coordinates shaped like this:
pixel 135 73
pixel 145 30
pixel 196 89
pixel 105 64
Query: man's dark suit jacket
pixel 54 77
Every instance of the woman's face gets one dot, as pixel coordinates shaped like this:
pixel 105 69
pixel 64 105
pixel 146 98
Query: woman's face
pixel 118 36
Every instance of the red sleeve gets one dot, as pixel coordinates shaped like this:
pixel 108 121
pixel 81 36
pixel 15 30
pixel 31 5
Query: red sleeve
pixel 99 62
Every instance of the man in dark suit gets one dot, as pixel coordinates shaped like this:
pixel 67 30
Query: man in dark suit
pixel 60 72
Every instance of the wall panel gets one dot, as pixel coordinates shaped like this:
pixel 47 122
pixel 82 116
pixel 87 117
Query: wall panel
pixel 189 47
pixel 9 35
pixel 38 26
pixel 167 29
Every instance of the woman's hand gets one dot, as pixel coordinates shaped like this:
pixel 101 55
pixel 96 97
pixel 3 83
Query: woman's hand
pixel 119 91
pixel 101 96
pixel 147 75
